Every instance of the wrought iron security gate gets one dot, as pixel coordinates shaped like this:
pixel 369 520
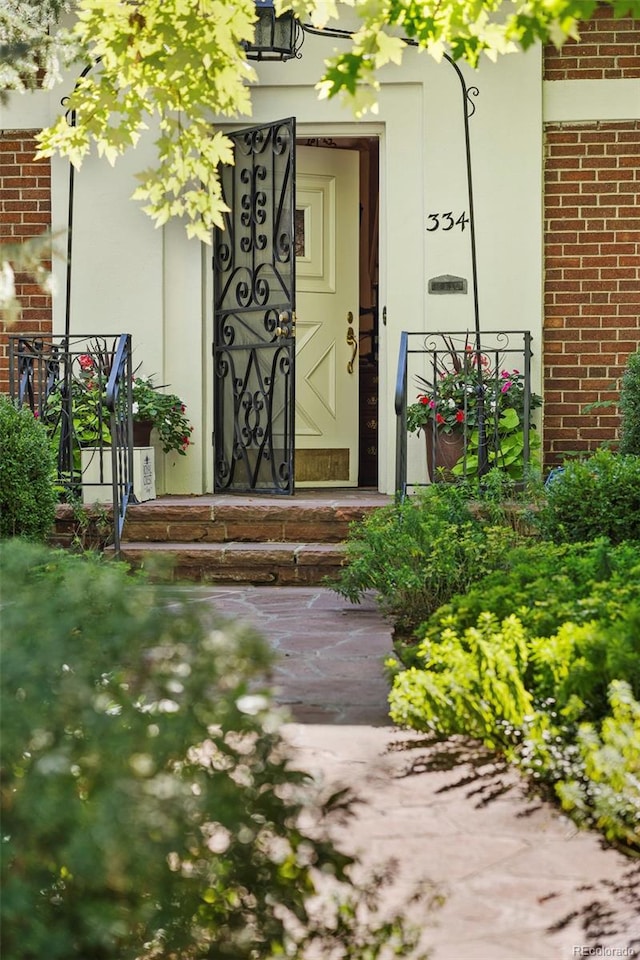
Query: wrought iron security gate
pixel 254 319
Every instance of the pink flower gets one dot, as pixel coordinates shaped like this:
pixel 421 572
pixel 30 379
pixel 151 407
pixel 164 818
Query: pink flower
pixel 86 361
pixel 505 386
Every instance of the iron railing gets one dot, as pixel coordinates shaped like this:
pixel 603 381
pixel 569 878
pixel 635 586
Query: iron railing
pixel 79 387
pixel 119 403
pixel 491 377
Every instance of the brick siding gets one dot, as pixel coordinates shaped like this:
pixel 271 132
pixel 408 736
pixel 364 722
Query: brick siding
pixel 592 277
pixel 608 49
pixel 592 244
pixel 25 211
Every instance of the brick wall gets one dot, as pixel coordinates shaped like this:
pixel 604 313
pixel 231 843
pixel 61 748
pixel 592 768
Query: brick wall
pixel 25 211
pixel 608 49
pixel 592 245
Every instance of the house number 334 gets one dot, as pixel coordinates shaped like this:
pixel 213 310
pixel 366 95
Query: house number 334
pixel 446 221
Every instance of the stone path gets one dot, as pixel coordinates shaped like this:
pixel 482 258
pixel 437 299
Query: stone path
pixel 519 882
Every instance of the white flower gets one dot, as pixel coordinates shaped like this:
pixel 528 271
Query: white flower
pixel 135 407
pixel 252 704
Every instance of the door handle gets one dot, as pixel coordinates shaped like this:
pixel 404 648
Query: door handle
pixel 287 325
pixel 352 340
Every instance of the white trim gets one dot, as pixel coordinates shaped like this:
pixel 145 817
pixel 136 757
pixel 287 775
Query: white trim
pixel 580 101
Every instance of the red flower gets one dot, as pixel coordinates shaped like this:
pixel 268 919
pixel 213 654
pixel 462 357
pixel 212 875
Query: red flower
pixel 460 416
pixel 439 418
pixel 86 361
pixel 423 399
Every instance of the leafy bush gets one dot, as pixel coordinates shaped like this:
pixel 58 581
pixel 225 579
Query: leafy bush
pixel 471 684
pixel 149 810
pixel 27 469
pixel 546 584
pixel 630 407
pixel 539 679
pixel 598 497
pixel 419 553
pixel 611 764
pixel 597 777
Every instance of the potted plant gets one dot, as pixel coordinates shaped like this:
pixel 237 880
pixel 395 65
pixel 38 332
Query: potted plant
pixel 447 410
pixel 90 419
pixel 163 411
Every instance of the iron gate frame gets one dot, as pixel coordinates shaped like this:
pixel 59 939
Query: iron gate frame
pixel 254 279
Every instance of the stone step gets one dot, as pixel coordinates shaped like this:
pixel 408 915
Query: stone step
pixel 232 520
pixel 288 563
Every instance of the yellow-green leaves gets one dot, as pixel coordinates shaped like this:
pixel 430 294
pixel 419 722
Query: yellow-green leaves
pixel 176 65
pixel 180 65
pixel 464 29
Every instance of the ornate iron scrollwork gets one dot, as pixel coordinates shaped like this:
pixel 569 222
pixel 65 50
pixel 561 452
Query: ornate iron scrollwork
pixel 254 288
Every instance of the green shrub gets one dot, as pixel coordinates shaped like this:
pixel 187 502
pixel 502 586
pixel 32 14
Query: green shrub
pixel 546 584
pixel 597 776
pixel 27 470
pixel 598 497
pixel 148 807
pixel 529 662
pixel 417 554
pixel 471 684
pixel 630 407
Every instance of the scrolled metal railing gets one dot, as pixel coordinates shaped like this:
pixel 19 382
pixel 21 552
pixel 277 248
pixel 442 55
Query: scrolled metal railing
pixel 490 377
pixel 400 403
pixel 119 403
pixel 79 387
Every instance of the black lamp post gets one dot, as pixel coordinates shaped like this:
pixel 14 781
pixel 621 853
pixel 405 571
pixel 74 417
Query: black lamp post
pixel 276 38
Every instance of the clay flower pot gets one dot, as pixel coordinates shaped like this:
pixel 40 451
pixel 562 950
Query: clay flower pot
pixel 443 452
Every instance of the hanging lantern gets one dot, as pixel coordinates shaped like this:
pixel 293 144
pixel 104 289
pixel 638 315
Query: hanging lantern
pixel 276 38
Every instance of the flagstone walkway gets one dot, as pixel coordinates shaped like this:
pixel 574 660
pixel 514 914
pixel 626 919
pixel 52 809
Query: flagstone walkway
pixel 519 881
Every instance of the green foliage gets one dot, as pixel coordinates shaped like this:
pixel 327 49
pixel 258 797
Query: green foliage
pixel 463 29
pixel 505 448
pixel 530 661
pixel 170 65
pixel 32 51
pixel 598 497
pixel 546 584
pixel 27 468
pixel 470 684
pixel 630 406
pixel 165 411
pixel 148 806
pixel 597 779
pixel 416 555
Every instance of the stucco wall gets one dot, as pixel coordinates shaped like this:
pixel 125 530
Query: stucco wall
pixel 155 283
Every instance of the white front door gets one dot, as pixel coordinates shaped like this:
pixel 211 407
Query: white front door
pixel 327 291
